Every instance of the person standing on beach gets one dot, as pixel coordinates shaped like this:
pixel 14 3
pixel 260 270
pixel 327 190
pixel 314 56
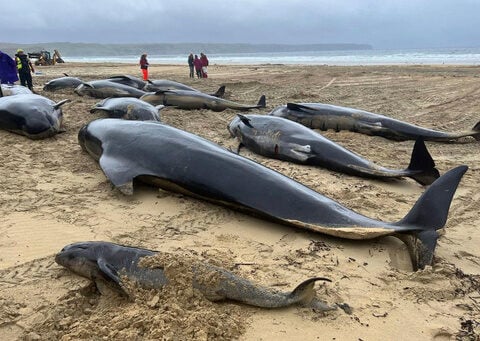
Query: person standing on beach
pixel 144 66
pixel 204 60
pixel 198 66
pixel 191 65
pixel 24 68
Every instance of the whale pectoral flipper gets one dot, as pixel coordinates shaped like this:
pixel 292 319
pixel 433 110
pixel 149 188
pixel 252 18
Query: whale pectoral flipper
pixel 119 173
pixel 245 120
pixel 108 271
pixel 240 145
pixel 301 153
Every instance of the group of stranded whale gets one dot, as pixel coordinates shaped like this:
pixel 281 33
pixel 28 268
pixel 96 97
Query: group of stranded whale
pixel 133 144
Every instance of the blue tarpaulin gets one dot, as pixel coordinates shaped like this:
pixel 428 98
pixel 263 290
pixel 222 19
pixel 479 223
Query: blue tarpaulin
pixel 8 69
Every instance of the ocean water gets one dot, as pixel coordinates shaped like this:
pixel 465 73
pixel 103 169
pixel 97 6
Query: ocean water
pixel 448 56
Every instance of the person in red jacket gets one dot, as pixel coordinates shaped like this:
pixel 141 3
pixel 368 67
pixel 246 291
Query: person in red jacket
pixel 204 60
pixel 198 66
pixel 144 66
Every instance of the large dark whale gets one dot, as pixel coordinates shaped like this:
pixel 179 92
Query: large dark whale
pixel 183 162
pixel 325 116
pixel 279 138
pixel 106 88
pixel 128 108
pixel 185 99
pixel 107 263
pixel 34 116
pixel 62 83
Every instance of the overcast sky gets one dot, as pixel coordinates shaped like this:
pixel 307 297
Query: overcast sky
pixel 381 23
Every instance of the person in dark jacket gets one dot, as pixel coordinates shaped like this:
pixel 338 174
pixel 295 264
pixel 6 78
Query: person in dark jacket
pixel 191 65
pixel 24 68
pixel 144 66
pixel 198 66
pixel 204 61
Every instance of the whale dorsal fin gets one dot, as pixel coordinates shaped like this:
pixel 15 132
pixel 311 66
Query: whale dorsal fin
pixel 298 107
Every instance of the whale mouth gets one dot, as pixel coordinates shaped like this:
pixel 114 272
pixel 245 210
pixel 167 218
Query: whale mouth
pixel 81 137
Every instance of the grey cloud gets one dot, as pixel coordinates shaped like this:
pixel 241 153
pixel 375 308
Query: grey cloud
pixel 384 24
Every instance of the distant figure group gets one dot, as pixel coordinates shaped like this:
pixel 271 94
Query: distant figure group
pixel 199 64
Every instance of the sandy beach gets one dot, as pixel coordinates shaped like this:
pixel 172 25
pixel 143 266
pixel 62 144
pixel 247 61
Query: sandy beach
pixel 52 193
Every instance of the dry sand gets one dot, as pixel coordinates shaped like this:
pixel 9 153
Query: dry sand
pixel 52 194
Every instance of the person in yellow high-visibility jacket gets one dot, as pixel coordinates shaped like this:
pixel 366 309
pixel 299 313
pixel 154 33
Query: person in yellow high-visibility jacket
pixel 24 68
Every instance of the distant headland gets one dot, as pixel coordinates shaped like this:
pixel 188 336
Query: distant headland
pixel 99 50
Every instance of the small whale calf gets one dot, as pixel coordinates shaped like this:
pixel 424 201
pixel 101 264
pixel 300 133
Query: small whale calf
pixel 128 108
pixel 108 262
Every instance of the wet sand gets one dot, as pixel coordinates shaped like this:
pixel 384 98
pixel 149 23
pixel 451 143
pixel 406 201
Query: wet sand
pixel 52 193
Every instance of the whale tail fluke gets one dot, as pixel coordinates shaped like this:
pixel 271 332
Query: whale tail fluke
pixel 304 294
pixel 220 92
pixel 476 129
pixel 422 164
pixel 429 214
pixel 262 102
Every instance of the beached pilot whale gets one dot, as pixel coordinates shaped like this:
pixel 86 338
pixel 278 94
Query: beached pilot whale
pixel 128 80
pixel 106 263
pixel 34 116
pixel 128 108
pixel 165 84
pixel 13 89
pixel 325 116
pixel 106 88
pixel 278 138
pixel 61 83
pixel 185 99
pixel 179 161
